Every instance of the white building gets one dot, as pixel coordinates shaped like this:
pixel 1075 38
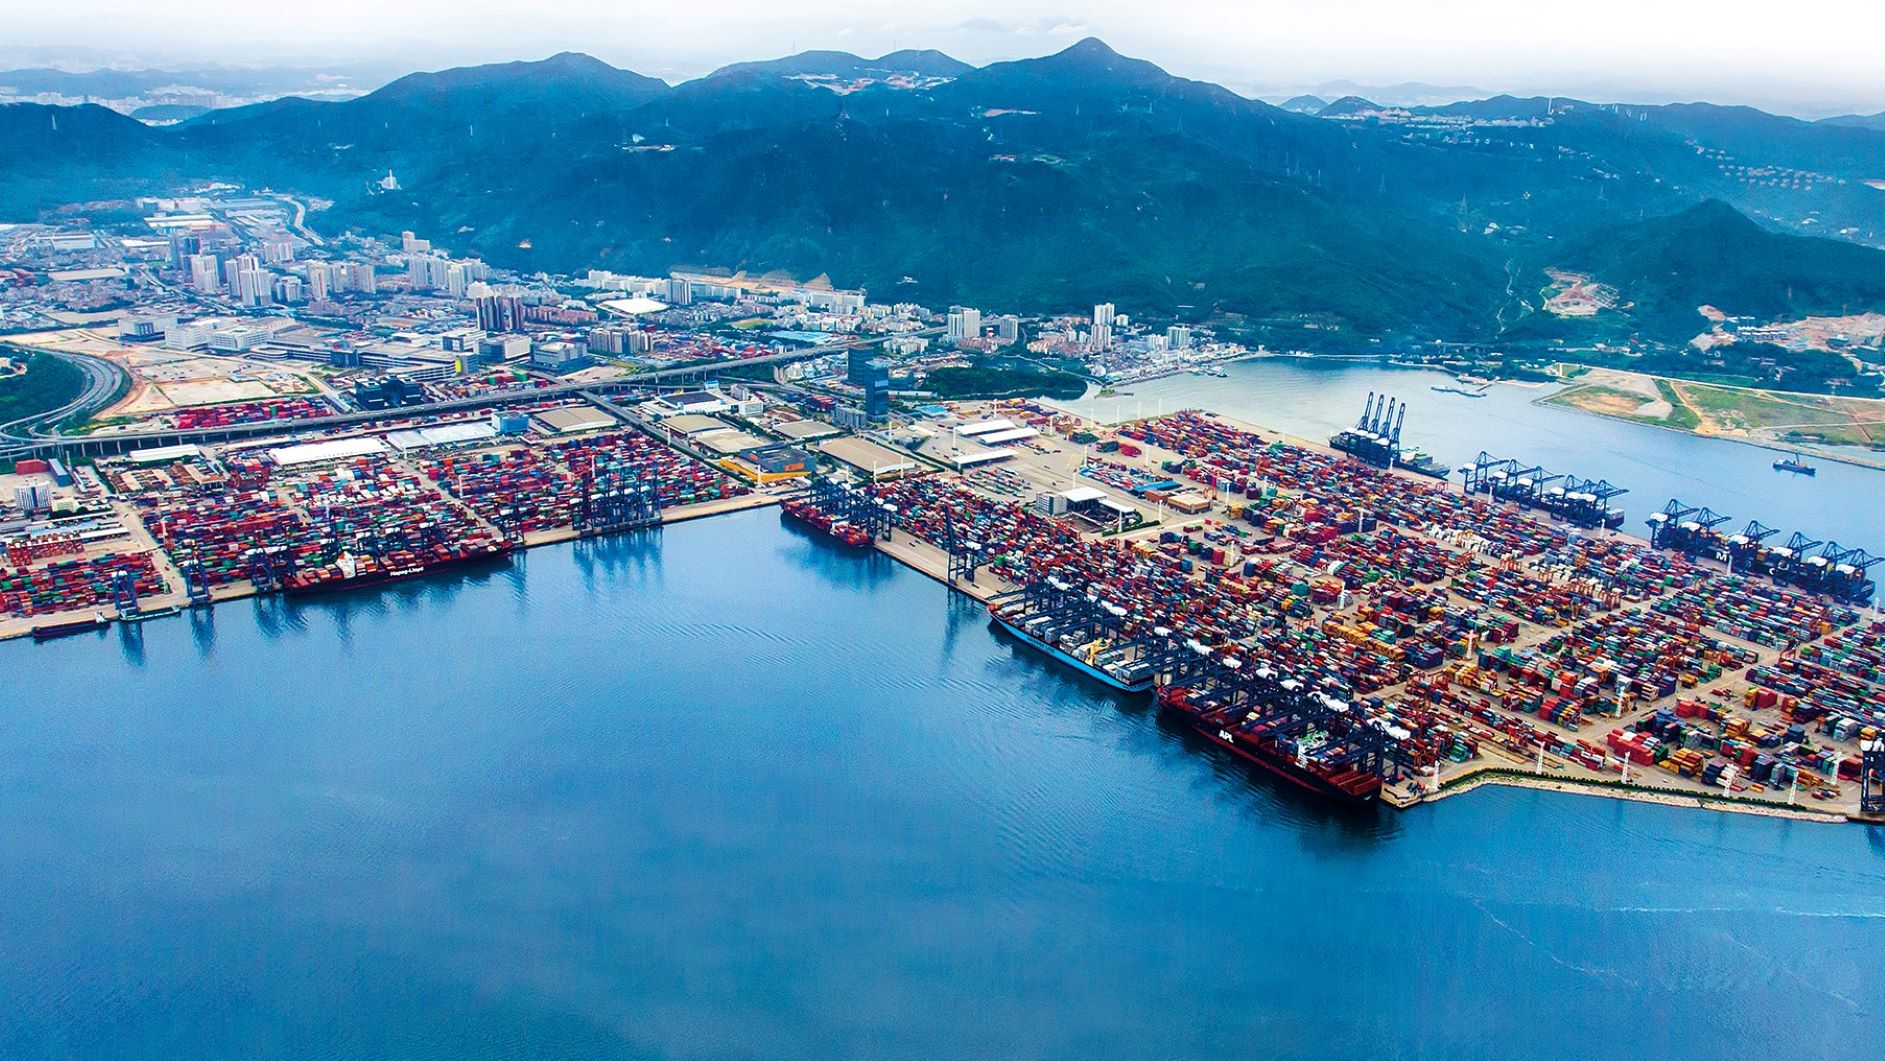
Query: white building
pixel 319 280
pixel 963 323
pixel 205 273
pixel 360 277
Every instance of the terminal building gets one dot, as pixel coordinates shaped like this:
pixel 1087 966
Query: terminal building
pixel 1090 505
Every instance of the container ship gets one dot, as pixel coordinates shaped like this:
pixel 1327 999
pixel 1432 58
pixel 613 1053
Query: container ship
pixel 1421 464
pixel 813 516
pixel 70 628
pixel 1098 660
pixel 1376 439
pixel 1308 760
pixel 357 572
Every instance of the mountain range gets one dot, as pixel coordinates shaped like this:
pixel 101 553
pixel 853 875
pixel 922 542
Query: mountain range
pixel 1048 184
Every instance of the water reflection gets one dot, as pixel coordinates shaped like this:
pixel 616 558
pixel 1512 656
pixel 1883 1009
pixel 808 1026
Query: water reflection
pixel 131 643
pixel 203 630
pixel 636 554
pixel 754 788
pixel 817 551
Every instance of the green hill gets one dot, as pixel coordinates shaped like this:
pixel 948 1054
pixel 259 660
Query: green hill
pixel 1710 254
pixel 1037 184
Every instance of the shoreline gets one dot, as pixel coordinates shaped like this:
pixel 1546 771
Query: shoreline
pixel 926 559
pixel 912 553
pixel 1830 453
pixel 22 627
pixel 1504 777
pixel 1838 454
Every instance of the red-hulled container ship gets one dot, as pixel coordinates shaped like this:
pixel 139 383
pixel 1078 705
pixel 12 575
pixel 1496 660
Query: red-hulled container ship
pixel 357 572
pixel 1301 760
pixel 813 516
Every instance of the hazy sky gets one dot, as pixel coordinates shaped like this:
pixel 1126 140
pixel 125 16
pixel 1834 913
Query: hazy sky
pixel 1804 53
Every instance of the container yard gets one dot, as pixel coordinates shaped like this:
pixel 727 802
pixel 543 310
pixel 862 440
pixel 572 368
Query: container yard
pixel 1367 633
pixel 1352 627
pixel 152 532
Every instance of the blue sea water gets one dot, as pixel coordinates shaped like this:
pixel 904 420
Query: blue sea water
pixel 724 790
pixel 1314 398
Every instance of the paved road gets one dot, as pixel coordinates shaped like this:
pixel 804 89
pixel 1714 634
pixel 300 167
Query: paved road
pixel 18 445
pixel 103 380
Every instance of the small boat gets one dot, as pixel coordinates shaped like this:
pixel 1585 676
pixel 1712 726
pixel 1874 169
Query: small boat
pixel 1461 391
pixel 1795 465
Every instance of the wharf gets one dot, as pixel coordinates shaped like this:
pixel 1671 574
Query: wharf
pixel 1051 464
pixel 1462 562
pixel 141 541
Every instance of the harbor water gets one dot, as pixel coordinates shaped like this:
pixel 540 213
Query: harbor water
pixel 1314 398
pixel 726 790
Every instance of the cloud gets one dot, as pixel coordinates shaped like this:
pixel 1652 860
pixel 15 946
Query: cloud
pixel 1046 25
pixel 1057 24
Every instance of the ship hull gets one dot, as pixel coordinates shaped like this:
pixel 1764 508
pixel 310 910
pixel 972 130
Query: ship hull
pixel 1061 655
pixel 843 534
pixel 1287 769
pixel 381 578
pixel 54 631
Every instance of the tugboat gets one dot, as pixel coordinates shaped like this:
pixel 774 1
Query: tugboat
pixel 1795 465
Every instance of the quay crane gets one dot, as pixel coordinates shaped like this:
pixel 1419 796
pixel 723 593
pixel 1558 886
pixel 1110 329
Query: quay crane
pixel 610 505
pixel 1309 735
pixel 1586 503
pixel 851 505
pixel 1486 472
pixel 1746 553
pixel 1872 775
pixel 1662 525
pixel 268 567
pixel 124 595
pixel 1376 437
pixel 1582 502
pixel 1525 485
pixel 195 580
pixel 1841 573
pixel 1689 530
pixel 1787 563
pixel 965 556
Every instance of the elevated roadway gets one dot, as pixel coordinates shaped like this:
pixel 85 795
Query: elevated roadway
pixel 20 440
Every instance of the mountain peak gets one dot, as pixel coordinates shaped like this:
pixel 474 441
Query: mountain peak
pixel 572 61
pixel 1711 216
pixel 1090 48
pixel 924 61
